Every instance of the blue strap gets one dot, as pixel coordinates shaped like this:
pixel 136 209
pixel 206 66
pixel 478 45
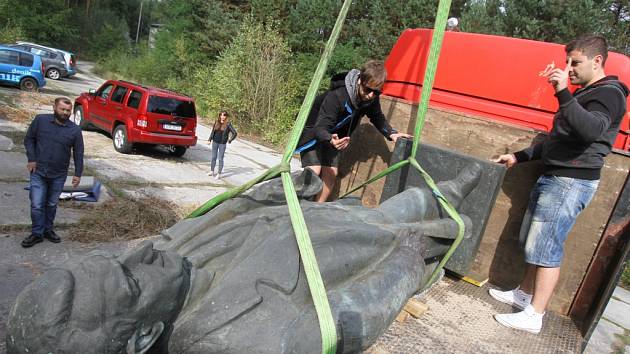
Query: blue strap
pixel 343 122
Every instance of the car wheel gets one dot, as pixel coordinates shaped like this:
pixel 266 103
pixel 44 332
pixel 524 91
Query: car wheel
pixel 79 118
pixel 121 144
pixel 177 151
pixel 28 84
pixel 53 73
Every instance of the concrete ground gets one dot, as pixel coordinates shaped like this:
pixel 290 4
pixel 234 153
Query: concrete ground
pixel 612 334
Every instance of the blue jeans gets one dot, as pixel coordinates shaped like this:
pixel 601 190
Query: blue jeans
pixel 554 205
pixel 44 196
pixel 218 151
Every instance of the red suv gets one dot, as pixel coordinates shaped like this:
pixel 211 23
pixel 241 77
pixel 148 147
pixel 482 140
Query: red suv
pixel 137 114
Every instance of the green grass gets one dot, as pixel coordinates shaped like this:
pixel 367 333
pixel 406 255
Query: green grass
pixel 625 278
pixel 621 341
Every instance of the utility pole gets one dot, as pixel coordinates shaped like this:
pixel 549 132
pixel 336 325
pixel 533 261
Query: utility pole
pixel 139 20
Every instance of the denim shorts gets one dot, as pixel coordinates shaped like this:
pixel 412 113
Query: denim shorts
pixel 554 205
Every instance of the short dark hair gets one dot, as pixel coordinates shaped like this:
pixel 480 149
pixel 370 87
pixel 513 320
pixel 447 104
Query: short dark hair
pixel 590 45
pixel 64 100
pixel 373 71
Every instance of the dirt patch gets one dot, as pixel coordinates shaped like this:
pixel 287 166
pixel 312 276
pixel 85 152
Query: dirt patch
pixel 22 107
pixel 15 115
pixel 124 218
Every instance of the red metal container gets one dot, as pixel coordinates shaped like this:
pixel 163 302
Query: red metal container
pixel 489 76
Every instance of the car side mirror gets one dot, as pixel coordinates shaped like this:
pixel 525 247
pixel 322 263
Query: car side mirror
pixel 92 92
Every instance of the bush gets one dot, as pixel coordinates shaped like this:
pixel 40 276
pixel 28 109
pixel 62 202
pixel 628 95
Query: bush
pixel 11 33
pixel 139 64
pixel 110 37
pixel 252 79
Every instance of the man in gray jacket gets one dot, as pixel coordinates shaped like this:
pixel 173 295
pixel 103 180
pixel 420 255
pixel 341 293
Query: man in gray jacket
pixel 335 115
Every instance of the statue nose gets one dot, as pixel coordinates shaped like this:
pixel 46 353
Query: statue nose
pixel 142 254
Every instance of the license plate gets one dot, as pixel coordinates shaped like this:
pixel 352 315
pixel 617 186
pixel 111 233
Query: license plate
pixel 177 128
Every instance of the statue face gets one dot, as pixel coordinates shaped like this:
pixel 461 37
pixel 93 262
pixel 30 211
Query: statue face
pixel 142 284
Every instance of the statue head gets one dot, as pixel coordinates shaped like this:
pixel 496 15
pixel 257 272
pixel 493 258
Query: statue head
pixel 102 304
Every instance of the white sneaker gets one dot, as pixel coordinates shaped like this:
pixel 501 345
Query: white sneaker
pixel 527 320
pixel 219 176
pixel 515 297
pixel 211 173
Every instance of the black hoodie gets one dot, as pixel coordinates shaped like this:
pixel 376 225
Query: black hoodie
pixel 334 106
pixel 584 130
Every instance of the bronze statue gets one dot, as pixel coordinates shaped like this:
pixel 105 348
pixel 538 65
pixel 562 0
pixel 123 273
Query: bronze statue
pixel 231 281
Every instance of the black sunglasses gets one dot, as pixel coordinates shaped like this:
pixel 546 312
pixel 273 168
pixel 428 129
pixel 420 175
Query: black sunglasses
pixel 369 90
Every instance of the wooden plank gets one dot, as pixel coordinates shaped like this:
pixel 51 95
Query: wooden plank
pixel 415 308
pixel 402 316
pixel 473 278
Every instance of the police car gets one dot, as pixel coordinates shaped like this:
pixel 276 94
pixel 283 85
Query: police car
pixel 20 68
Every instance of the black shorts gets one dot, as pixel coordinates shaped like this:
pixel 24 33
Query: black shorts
pixel 320 155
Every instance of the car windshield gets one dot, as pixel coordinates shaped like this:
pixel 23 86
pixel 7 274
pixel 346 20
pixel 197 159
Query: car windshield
pixel 172 106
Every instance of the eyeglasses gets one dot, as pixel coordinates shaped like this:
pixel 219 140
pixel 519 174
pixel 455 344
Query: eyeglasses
pixel 369 90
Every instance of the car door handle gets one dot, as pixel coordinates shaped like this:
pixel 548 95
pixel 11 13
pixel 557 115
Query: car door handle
pixel 103 102
pixel 118 108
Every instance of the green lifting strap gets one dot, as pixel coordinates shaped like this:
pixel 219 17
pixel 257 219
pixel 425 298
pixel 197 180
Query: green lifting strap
pixel 307 254
pixel 269 174
pixel 327 325
pixel 316 284
pixel 427 86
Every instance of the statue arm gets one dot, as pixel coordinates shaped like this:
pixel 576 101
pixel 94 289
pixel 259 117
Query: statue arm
pixel 365 307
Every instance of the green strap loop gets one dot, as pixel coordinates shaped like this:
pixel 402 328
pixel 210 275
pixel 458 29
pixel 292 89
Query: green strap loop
pixel 452 212
pixel 390 169
pixel 427 87
pixel 446 205
pixel 269 174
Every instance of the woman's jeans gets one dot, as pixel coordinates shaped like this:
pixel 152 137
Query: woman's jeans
pixel 218 151
pixel 44 194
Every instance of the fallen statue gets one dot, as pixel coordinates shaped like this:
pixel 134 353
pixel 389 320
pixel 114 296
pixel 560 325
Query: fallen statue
pixel 231 281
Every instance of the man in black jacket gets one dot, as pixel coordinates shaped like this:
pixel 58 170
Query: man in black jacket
pixel 584 130
pixel 336 114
